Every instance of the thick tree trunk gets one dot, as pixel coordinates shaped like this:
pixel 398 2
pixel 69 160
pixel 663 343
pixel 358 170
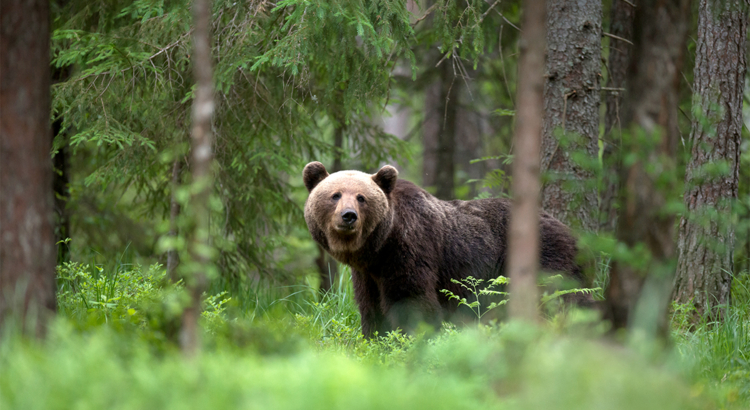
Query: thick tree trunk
pixel 706 240
pixel 202 147
pixel 621 26
pixel 441 107
pixel 571 105
pixel 27 249
pixel 173 258
pixel 523 238
pixel 650 113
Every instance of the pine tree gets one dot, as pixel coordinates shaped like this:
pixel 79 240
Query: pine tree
pixel 706 237
pixel 571 107
pixel 647 178
pixel 27 259
pixel 279 74
pixel 618 64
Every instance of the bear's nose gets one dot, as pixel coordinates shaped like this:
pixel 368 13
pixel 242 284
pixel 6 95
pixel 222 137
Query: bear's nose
pixel 349 216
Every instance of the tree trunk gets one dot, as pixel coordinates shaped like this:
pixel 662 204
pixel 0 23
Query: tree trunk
pixel 650 113
pixel 472 127
pixel 430 131
pixel 202 147
pixel 60 179
pixel 571 105
pixel 706 241
pixel 621 26
pixel 173 258
pixel 446 170
pixel 61 191
pixel 523 238
pixel 27 251
pixel 441 107
pixel 327 266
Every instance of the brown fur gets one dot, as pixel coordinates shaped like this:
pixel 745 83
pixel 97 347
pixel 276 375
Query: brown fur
pixel 406 245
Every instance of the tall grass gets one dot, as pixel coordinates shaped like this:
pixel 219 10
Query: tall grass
pixel 719 350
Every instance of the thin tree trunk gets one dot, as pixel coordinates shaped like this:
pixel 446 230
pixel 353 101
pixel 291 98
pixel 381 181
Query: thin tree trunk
pixel 338 144
pixel 430 131
pixel 706 240
pixel 60 180
pixel 327 266
pixel 571 105
pixel 523 238
pixel 439 133
pixel 621 26
pixel 650 112
pixel 61 194
pixel 446 149
pixel 173 258
pixel 202 146
pixel 27 251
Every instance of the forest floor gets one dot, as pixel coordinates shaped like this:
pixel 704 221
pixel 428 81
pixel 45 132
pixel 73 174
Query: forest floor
pixel 113 346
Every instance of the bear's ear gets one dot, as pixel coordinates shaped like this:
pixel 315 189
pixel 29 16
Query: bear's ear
pixel 312 175
pixel 386 178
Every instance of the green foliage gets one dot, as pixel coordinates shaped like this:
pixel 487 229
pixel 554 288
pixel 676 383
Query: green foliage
pixel 488 294
pixel 283 77
pixel 513 366
pixel 287 75
pixel 719 350
pixel 83 371
pixel 555 283
pixel 90 291
pixel 310 354
pixel 474 287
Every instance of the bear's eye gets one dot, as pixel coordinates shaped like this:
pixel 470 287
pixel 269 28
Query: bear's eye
pixel 336 196
pixel 360 198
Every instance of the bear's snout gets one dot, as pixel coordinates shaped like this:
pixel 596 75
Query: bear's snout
pixel 349 216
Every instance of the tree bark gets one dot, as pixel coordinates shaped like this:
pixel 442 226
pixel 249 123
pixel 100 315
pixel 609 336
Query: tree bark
pixel 650 112
pixel 706 240
pixel 571 105
pixel 202 147
pixel 327 266
pixel 621 26
pixel 441 107
pixel 523 238
pixel 430 131
pixel 446 170
pixel 173 258
pixel 27 251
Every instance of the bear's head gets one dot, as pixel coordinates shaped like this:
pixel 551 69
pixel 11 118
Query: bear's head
pixel 346 207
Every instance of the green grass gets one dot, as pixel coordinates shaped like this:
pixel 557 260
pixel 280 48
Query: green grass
pixel 720 350
pixel 302 350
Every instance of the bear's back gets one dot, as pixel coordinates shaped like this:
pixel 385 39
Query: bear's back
pixel 469 238
pixel 460 238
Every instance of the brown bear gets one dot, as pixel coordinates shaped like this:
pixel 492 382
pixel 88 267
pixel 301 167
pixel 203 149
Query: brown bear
pixel 404 245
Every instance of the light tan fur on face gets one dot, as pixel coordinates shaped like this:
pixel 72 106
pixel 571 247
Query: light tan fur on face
pixel 324 213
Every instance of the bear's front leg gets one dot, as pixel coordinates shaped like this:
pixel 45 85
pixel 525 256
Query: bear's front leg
pixel 367 296
pixel 411 299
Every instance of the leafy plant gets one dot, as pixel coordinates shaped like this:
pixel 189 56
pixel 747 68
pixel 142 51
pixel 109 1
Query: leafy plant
pixel 474 286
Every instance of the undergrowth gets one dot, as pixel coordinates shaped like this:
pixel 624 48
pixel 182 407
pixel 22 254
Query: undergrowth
pixel 114 346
